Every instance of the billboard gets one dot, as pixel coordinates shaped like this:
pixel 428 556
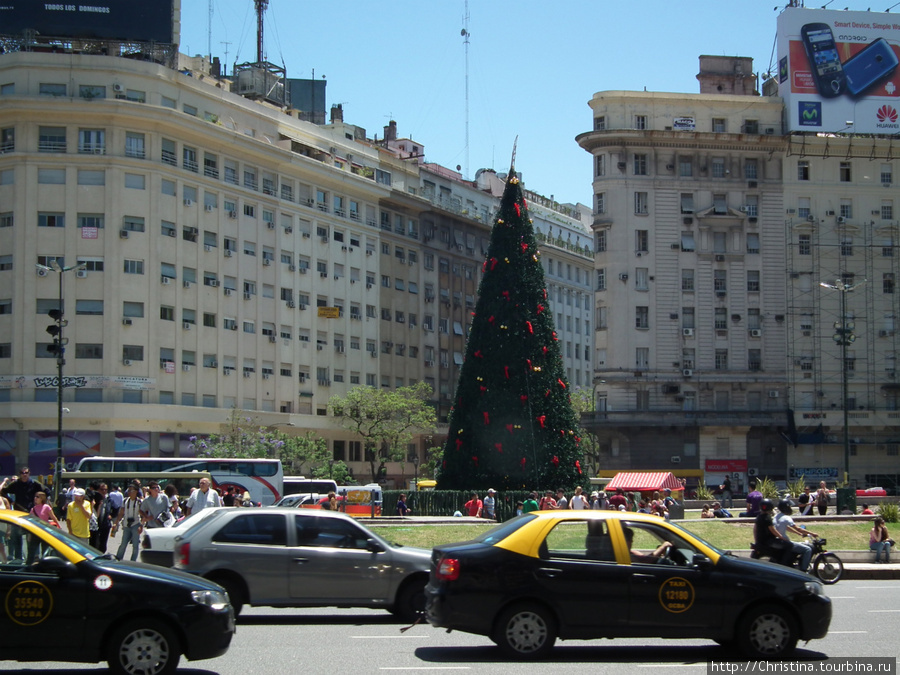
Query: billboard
pixel 838 70
pixel 126 20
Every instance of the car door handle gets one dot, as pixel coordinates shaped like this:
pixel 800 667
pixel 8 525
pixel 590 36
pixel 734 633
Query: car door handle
pixel 646 578
pixel 301 561
pixel 548 572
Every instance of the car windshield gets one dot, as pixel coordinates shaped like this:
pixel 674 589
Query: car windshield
pixel 694 536
pixel 503 530
pixel 67 539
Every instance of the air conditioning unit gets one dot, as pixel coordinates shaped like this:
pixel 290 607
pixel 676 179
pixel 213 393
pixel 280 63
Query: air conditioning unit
pixel 186 284
pixel 292 268
pixel 228 253
pixel 687 332
pixel 367 285
pixel 324 275
pixel 324 240
pixel 841 220
pixel 247 296
pixel 213 283
pixel 234 326
pixel 126 362
pixel 291 304
pixel 752 472
pixel 319 348
pixel 188 202
pixel 270 224
pixel 207 248
pixel 687 372
pixel 247 373
pixel 213 364
pixel 41 272
pixel 623 277
pixel 306 235
pixel 226 371
pixel 288 230
pixel 303 270
pixel 743 208
pixel 186 325
pixel 675 247
pixel 675 459
pixel 127 322
pixel 301 307
pixel 885 333
pixel 368 252
pixel 208 208
pixel 429 363
pixel 185 367
pixel 165 281
pixel 123 234
pixel 755 332
pixel 810 219
pixel 118 88
pixel 81 274
pixel 228 291
pixel 720 258
pixel 374 355
pixel 267 262
pixel 232 215
pixel 773 393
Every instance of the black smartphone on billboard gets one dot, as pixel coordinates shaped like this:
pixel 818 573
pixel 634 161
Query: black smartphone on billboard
pixel 870 66
pixel 822 53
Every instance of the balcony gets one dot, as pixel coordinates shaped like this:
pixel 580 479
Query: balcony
pixel 683 418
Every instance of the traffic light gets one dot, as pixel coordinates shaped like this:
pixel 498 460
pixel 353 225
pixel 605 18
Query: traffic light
pixel 55 331
pixel 844 334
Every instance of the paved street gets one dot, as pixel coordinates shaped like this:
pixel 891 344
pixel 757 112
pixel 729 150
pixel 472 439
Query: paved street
pixel 330 641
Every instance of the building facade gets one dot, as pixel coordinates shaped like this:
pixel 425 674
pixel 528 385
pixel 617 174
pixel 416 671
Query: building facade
pixel 234 257
pixel 714 344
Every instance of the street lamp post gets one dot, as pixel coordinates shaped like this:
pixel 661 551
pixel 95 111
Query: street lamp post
pixel 58 347
pixel 416 465
pixel 844 336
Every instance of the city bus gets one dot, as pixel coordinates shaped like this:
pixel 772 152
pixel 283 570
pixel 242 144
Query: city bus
pixel 184 481
pixel 262 478
pixel 294 485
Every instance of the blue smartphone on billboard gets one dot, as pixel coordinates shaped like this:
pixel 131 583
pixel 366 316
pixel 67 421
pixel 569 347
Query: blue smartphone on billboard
pixel 824 60
pixel 870 66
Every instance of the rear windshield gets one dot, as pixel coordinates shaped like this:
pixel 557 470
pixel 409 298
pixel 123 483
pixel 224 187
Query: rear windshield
pixel 503 530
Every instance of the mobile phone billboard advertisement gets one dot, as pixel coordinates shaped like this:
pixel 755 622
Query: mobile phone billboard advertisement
pixel 838 71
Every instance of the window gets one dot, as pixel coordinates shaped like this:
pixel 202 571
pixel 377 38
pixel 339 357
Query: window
pixel 719 125
pixel 92 141
pixel 804 244
pixel 641 277
pixel 52 176
pixel 600 123
pixel 685 167
pixel 718 167
pixel 720 204
pixel 134 145
pixel 601 279
pixel 721 359
pixel 51 220
pixel 687 280
pixel 133 309
pixel 600 241
pixel 844 172
pixel 133 352
pixel 846 245
pixel 92 220
pixel 846 209
pixel 687 242
pixel 887 209
pixel 720 318
pixel 802 170
pixel 91 177
pixel 133 223
pixel 753 281
pixel 86 350
pixel 51 139
pixel 751 169
pixel 642 241
pixel 166 313
pixel 135 181
pixel 887 282
pixel 641 203
pixel 752 242
pixel 640 165
pixel 642 317
pixel 640 122
pixel 89 307
pixel 720 281
pixel 600 165
pixel 887 174
pixel 642 360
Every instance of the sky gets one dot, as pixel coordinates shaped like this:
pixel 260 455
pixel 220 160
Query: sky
pixel 533 65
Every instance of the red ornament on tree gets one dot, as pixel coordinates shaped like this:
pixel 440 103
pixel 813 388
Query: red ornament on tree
pixel 509 428
pixel 505 295
pixel 540 308
pixel 487 419
pixel 499 447
pixel 506 371
pixel 459 443
pixel 555 460
pixel 475 460
pixel 561 383
pixel 522 463
pixel 542 419
pixel 518 210
pixel 578 466
pixel 524 247
pixel 530 327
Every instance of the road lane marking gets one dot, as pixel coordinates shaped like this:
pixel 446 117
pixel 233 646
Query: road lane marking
pixel 389 637
pixel 847 632
pixel 883 611
pixel 425 668
pixel 842 597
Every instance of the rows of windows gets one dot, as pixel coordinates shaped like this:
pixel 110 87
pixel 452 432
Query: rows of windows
pixel 717 125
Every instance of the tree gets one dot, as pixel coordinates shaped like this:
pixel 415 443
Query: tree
pixel 386 420
pixel 312 451
pixel 512 424
pixel 244 437
pixel 591 448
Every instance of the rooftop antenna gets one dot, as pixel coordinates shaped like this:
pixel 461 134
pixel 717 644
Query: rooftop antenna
pixel 261 6
pixel 209 30
pixel 225 72
pixel 465 35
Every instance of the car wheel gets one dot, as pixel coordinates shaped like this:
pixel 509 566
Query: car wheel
pixel 410 603
pixel 143 647
pixel 767 632
pixel 235 590
pixel 525 632
pixel 829 568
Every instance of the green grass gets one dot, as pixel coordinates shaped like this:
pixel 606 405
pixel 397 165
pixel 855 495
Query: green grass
pixel 726 534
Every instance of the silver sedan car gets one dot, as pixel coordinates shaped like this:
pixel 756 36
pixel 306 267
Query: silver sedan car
pixel 288 557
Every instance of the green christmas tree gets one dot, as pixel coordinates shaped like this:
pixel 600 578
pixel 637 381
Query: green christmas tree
pixel 512 425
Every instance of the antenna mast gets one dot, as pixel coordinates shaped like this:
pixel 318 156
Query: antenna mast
pixel 209 31
pixel 465 35
pixel 261 6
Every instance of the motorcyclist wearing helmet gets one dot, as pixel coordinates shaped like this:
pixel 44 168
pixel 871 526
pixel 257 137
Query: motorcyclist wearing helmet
pixel 768 541
pixel 784 523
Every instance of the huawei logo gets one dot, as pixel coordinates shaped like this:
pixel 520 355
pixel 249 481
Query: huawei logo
pixel 887 114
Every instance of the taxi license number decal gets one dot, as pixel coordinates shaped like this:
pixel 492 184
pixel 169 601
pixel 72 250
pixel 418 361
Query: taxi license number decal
pixel 103 583
pixel 28 603
pixel 676 595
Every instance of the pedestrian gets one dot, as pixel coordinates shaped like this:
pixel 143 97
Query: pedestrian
pixel 155 509
pixel 727 494
pixel 78 517
pixel 880 540
pixel 402 509
pixel 618 500
pixel 103 512
pixel 42 509
pixel 561 501
pixel 530 504
pixel 754 497
pixel 474 506
pixel 131 530
pixel 579 502
pixel 174 502
pixel 806 502
pixel 203 497
pixel 822 498
pixel 866 511
pixel 547 501
pixel 489 509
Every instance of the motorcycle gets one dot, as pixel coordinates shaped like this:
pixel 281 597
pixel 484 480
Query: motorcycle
pixel 827 566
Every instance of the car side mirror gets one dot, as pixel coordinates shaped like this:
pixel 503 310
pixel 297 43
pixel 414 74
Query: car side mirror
pixel 373 546
pixel 54 565
pixel 702 562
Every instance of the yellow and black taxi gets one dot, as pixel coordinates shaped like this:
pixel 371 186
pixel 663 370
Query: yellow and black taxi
pixel 604 574
pixel 65 601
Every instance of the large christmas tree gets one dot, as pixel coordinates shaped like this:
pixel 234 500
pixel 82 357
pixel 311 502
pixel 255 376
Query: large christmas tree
pixel 512 425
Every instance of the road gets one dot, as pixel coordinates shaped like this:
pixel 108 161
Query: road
pixel 337 641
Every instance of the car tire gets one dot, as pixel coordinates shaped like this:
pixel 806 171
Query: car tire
pixel 767 632
pixel 828 568
pixel 235 589
pixel 144 646
pixel 525 631
pixel 410 603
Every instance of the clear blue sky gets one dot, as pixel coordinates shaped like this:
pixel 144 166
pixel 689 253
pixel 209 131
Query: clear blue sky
pixel 533 65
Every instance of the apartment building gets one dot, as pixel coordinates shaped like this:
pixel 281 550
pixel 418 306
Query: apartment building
pixel 235 256
pixel 713 343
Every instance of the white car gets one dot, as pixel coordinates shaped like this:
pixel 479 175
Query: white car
pixel 158 543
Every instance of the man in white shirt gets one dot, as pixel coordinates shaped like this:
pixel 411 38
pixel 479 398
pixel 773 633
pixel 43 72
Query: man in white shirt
pixel 202 498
